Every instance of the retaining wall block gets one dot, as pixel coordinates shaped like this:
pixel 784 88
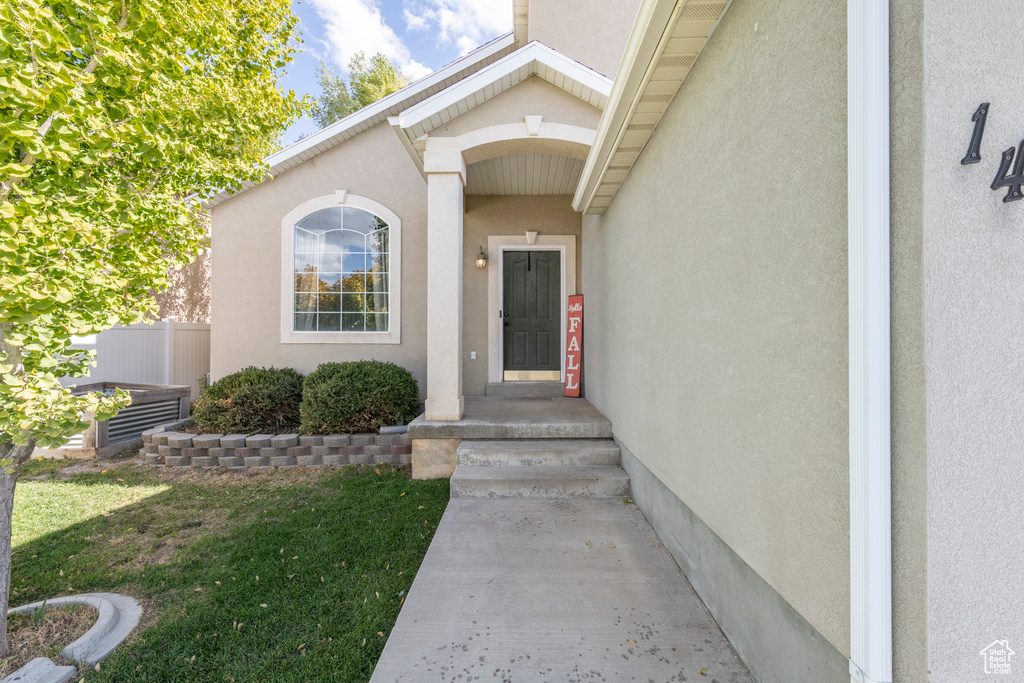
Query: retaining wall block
pixel 207 440
pixel 401 450
pixel 282 461
pixel 258 441
pixel 272 452
pixel 406 440
pixel 150 448
pixel 389 439
pixel 233 441
pixel 247 452
pixel 221 452
pixel 160 438
pixel 374 449
pixel 362 439
pixel 385 459
pixel 284 441
pixel 360 459
pixel 335 460
pixel 204 461
pixel 405 459
pixel 308 460
pixel 178 461
pixel 169 452
pixel 336 440
pixel 324 451
pixel 311 441
pixel 256 461
pixel 350 450
pixel 179 440
pixel 230 461
pixel 154 459
pixel 195 452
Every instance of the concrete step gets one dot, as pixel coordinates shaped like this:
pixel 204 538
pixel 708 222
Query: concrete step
pixel 526 389
pixel 539 481
pixel 521 453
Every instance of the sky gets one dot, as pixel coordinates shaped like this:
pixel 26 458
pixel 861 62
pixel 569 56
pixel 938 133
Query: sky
pixel 421 36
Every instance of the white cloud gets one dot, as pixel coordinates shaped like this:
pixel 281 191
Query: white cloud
pixel 351 26
pixel 467 24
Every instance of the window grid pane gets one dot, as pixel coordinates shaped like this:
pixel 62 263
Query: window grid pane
pixel 341 278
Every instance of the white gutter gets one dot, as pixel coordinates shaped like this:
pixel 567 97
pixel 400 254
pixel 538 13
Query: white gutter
pixel 870 369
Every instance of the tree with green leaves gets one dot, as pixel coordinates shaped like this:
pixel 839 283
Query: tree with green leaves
pixel 369 80
pixel 116 118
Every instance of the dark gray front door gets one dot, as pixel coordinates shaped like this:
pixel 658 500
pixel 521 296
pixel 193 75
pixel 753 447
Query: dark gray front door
pixel 532 315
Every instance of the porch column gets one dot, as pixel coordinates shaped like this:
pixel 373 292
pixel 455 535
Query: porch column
pixel 445 181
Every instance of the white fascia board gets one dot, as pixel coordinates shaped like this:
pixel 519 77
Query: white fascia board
pixel 530 56
pixel 395 99
pixel 653 25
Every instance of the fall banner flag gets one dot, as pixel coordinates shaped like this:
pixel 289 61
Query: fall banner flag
pixel 574 346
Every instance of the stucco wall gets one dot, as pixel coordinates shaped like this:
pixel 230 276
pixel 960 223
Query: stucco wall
pixel 593 32
pixel 501 215
pixel 246 282
pixel 973 255
pixel 530 97
pixel 716 302
pixel 909 490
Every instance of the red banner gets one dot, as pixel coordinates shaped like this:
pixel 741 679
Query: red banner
pixel 574 346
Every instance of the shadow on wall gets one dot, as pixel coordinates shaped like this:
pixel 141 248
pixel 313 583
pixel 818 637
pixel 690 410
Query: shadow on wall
pixel 188 297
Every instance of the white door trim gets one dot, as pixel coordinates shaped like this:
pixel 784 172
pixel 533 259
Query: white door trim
pixel 496 246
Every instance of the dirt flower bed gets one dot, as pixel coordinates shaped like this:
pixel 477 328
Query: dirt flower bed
pixel 45 634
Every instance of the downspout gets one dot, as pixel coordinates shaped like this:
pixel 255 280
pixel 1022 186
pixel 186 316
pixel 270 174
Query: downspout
pixel 869 316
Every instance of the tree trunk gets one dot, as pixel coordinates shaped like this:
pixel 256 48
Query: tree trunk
pixel 8 479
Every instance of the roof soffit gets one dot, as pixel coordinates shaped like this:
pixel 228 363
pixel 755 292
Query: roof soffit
pixel 667 39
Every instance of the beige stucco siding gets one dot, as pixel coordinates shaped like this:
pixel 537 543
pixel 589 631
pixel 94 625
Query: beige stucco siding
pixel 909 481
pixel 593 32
pixel 972 247
pixel 247 257
pixel 534 96
pixel 501 215
pixel 716 303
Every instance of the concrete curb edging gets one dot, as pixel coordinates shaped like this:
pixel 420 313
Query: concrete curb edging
pixel 117 616
pixel 41 670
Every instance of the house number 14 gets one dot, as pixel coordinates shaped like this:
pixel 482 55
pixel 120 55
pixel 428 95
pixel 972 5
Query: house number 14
pixel 1004 178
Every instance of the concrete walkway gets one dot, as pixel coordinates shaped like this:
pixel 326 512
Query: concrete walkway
pixel 523 590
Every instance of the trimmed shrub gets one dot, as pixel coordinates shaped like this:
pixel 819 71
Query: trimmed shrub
pixel 357 396
pixel 250 401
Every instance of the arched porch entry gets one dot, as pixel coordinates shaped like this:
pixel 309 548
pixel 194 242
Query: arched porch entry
pixel 445 164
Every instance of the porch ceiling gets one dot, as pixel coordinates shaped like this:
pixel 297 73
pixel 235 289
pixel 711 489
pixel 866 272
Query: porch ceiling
pixel 520 174
pixel 666 41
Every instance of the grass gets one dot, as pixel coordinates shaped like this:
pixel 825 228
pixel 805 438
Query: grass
pixel 291 575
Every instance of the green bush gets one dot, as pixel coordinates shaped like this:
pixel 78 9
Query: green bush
pixel 357 396
pixel 250 401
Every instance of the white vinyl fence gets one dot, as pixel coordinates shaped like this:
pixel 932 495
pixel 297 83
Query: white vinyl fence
pixel 166 352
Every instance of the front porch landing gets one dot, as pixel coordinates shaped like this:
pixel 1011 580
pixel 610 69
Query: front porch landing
pixel 434 443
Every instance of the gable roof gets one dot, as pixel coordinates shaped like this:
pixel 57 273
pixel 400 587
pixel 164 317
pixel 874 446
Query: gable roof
pixel 535 59
pixel 666 41
pixel 375 113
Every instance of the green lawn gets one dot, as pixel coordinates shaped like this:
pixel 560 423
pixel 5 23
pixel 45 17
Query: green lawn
pixel 292 575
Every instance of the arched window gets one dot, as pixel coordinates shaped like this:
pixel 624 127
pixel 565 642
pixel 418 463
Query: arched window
pixel 341 272
pixel 342 260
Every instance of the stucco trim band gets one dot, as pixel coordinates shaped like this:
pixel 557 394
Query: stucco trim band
pixel 775 642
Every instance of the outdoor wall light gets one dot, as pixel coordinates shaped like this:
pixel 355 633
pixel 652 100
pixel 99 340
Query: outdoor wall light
pixel 481 259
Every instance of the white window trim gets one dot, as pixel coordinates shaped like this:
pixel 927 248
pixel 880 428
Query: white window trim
pixel 341 198
pixel 497 245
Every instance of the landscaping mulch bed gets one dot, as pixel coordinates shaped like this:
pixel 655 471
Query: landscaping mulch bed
pixel 44 634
